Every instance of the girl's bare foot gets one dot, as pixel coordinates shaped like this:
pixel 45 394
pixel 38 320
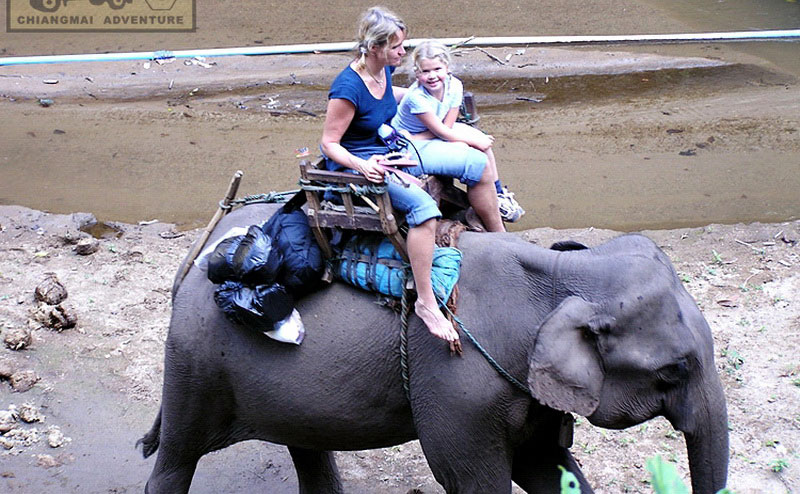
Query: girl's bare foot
pixel 437 324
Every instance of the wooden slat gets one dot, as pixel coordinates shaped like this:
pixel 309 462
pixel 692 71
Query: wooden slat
pixel 313 210
pixel 337 177
pixel 322 239
pixel 347 199
pixel 369 222
pixel 318 218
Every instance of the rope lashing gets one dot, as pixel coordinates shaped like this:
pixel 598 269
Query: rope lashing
pixel 495 365
pixel 360 190
pixel 281 197
pixel 271 197
pixel 405 309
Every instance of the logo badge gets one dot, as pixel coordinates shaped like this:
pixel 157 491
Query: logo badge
pixel 100 16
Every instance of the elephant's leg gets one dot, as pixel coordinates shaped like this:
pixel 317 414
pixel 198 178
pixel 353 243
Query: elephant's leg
pixel 467 467
pixel 463 448
pixel 536 471
pixel 172 473
pixel 316 471
pixel 177 457
pixel 462 410
pixel 196 418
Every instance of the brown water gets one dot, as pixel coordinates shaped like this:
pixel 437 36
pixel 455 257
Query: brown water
pixel 744 15
pixel 600 150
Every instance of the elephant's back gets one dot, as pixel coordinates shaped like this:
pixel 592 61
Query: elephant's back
pixel 345 374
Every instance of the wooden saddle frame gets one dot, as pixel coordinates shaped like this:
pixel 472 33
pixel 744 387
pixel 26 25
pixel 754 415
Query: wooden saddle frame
pixel 378 216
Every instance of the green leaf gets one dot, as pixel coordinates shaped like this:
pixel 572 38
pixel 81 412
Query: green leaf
pixel 665 478
pixel 569 482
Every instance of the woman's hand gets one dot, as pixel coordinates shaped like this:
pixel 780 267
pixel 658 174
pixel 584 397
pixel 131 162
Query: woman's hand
pixel 370 169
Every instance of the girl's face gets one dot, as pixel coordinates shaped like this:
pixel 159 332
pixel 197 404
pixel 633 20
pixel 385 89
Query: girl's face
pixel 431 74
pixel 392 52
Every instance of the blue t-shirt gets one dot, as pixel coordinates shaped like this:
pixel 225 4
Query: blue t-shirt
pixel 418 101
pixel 362 134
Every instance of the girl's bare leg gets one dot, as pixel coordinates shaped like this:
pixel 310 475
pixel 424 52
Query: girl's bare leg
pixel 491 166
pixel 483 197
pixel 420 243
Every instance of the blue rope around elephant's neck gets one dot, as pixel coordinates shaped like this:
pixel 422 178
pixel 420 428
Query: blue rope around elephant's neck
pixel 404 347
pixel 495 365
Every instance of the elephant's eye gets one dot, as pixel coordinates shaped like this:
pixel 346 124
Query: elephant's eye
pixel 674 373
pixel 587 333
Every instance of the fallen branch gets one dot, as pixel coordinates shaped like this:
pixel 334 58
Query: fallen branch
pixel 744 285
pixel 491 56
pixel 748 245
pixel 461 43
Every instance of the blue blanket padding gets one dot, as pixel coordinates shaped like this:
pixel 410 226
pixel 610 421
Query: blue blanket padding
pixel 445 271
pixel 303 265
pixel 372 263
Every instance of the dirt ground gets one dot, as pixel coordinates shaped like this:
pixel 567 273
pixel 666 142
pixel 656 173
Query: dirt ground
pixel 99 382
pixel 698 146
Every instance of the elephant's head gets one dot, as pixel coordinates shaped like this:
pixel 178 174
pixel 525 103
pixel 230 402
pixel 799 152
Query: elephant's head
pixel 627 344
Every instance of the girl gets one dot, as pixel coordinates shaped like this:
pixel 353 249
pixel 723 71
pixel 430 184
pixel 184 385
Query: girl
pixel 429 111
pixel 362 98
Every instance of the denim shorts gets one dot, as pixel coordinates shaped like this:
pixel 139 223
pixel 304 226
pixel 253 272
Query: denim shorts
pixel 448 159
pixel 436 157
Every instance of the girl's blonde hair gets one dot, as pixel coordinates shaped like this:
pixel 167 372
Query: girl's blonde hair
pixel 429 50
pixel 377 27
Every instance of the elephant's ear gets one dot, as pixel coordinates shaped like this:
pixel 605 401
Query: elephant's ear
pixel 565 370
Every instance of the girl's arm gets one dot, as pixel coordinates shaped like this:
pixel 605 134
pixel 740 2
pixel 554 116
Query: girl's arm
pixel 451 117
pixel 477 139
pixel 339 114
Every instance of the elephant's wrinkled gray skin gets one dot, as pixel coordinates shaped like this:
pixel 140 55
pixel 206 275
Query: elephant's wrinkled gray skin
pixel 608 333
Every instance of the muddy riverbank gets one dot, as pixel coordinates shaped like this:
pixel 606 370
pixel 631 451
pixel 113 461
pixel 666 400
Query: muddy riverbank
pixel 605 138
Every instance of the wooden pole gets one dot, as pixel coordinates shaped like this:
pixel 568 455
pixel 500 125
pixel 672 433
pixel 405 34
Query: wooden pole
pixel 198 245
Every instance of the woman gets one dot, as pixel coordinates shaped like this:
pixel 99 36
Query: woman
pixel 360 100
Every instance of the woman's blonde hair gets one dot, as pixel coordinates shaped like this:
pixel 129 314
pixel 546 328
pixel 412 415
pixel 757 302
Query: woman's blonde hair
pixel 429 50
pixel 377 27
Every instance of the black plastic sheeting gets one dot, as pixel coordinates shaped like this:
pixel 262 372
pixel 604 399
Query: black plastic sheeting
pixel 259 274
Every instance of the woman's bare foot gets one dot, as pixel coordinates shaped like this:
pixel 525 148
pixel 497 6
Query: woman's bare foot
pixel 437 324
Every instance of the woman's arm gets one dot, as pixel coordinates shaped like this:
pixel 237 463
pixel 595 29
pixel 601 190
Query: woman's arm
pixel 339 114
pixel 476 139
pixel 399 92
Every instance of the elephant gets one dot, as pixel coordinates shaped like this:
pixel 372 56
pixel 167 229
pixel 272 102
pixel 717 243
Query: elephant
pixel 608 333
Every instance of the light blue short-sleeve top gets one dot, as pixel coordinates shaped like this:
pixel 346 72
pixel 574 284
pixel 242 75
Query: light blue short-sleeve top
pixel 417 101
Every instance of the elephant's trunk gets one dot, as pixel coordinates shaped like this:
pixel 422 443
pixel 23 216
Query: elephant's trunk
pixel 706 433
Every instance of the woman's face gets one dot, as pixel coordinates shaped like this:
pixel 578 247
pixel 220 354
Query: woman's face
pixel 392 52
